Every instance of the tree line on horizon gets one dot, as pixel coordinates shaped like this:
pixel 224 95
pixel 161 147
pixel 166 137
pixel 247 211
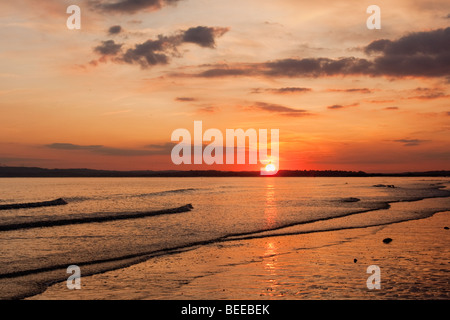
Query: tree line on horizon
pixel 16 172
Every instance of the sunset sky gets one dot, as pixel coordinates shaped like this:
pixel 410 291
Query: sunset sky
pixel 110 95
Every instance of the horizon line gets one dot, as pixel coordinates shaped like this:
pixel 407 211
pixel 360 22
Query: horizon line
pixel 24 171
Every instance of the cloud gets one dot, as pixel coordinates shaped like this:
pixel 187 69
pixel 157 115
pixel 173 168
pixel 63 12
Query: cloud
pixel 130 6
pixel 17 161
pixel 207 109
pixel 336 106
pixel 339 106
pixel 410 142
pixel 309 67
pixel 150 53
pixel 381 101
pixel 115 30
pixel 359 90
pixel 159 51
pixel 428 94
pixel 70 146
pixel 282 110
pixel 315 67
pixel 185 99
pixel 204 36
pixel 108 48
pixel 391 108
pixel 425 54
pixel 109 151
pixel 419 54
pixel 287 90
pixel 218 73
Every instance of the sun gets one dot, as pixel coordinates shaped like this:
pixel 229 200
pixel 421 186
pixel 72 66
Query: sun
pixel 270 168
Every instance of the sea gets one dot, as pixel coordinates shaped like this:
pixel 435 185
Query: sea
pixel 36 247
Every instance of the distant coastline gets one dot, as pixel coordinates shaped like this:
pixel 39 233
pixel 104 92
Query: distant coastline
pixel 35 172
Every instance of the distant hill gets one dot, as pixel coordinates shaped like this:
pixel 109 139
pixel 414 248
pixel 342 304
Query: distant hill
pixel 18 172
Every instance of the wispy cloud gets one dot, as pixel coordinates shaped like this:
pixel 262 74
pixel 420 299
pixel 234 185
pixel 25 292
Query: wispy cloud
pixel 185 99
pixel 340 106
pixel 428 94
pixel 357 90
pixel 410 142
pixel 287 90
pixel 281 110
pixel 149 150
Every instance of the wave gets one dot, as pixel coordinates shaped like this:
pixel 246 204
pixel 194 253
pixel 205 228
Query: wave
pixel 92 219
pixel 52 203
pixel 78 199
pixel 161 193
pixel 255 234
pixel 131 196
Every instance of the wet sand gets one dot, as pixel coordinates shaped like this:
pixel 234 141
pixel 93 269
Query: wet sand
pixel 415 265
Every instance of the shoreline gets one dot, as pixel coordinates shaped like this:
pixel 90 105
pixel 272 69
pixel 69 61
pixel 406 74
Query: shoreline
pixel 272 268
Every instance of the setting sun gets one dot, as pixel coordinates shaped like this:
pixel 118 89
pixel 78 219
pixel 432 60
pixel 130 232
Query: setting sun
pixel 270 168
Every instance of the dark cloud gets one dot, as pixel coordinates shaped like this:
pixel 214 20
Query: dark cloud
pixel 207 109
pixel 339 106
pixel 317 67
pixel 311 67
pixel 218 72
pixel 377 46
pixel 282 110
pixel 428 94
pixel 410 142
pixel 359 90
pixel 381 101
pixel 130 6
pixel 109 151
pixel 151 52
pixel 70 146
pixel 203 36
pixel 420 54
pixel 161 149
pixel 424 54
pixel 108 48
pixel 160 50
pixel 336 106
pixel 185 99
pixel 115 30
pixel 287 90
pixel 391 108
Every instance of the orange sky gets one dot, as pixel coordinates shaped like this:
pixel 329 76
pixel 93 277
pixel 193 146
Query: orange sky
pixel 344 97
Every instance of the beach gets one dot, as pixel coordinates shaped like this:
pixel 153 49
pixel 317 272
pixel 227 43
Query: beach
pixel 415 265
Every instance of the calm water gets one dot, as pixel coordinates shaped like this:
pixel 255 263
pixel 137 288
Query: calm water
pixel 224 209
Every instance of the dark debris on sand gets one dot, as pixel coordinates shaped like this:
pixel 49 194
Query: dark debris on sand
pixel 384 186
pixel 351 199
pixel 387 240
